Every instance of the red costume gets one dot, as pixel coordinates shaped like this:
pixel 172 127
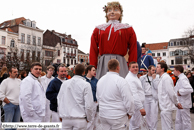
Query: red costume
pixel 112 41
pixel 121 38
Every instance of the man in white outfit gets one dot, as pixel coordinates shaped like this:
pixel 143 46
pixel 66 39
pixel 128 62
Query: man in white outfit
pixel 183 89
pixel 138 96
pixel 150 87
pixel 45 80
pixel 9 94
pixel 75 101
pixel 116 104
pixel 166 96
pixel 32 96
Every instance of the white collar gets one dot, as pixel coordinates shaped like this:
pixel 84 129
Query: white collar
pixel 113 23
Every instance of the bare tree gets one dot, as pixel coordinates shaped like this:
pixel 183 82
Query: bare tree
pixel 189 38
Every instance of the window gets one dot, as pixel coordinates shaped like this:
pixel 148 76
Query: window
pixel 164 53
pixel 48 62
pixel 58 52
pixel 172 62
pixel 178 43
pixel 22 54
pixel 164 47
pixel 67 50
pixel 64 50
pixel 12 44
pixel 75 51
pixel 181 43
pixel 153 54
pixel 185 61
pixel 3 40
pixel 23 38
pixel 67 60
pixel 33 55
pixel 38 56
pixel 71 50
pixel 158 54
pixel 27 54
pixel 28 39
pixel 34 40
pixel 33 25
pixel 171 43
pixel 64 60
pixel 39 41
pixel 58 61
pixel 49 53
pixel 28 24
pixel 178 60
pixel 175 43
pixel 72 61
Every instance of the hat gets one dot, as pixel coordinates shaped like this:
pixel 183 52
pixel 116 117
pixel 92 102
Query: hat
pixel 149 51
pixel 142 70
pixel 169 71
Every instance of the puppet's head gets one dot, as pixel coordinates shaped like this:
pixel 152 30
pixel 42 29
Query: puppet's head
pixel 114 11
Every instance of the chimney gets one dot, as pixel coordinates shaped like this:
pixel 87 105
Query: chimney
pixel 13 22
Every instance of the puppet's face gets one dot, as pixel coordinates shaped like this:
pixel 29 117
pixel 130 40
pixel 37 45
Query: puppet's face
pixel 113 13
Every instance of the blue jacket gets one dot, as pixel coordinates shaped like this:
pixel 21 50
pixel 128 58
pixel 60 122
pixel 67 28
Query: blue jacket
pixel 52 92
pixel 138 54
pixel 93 83
pixel 148 61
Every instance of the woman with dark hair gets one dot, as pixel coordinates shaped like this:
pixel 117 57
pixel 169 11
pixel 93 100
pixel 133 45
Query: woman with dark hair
pixel 23 74
pixel 3 74
pixel 190 77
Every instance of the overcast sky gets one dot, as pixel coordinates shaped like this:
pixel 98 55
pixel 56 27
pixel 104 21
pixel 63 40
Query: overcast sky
pixel 154 21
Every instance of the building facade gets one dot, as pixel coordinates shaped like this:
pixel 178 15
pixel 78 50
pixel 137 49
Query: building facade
pixel 60 48
pixel 83 57
pixel 159 50
pixel 179 51
pixel 25 37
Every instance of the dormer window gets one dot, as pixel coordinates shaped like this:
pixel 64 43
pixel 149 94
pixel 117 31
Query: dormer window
pixel 33 24
pixel 28 24
pixel 164 47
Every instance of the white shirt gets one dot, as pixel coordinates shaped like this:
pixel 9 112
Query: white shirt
pixel 150 90
pixel 184 87
pixel 10 89
pixel 32 97
pixel 166 95
pixel 75 99
pixel 137 90
pixel 45 81
pixel 114 96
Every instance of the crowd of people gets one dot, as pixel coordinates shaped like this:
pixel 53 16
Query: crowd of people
pixel 112 102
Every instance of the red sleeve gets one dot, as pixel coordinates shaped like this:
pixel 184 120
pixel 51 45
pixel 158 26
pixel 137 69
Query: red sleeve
pixel 94 48
pixel 132 46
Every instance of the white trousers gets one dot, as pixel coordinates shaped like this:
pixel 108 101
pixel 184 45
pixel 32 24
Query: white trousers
pixel 151 108
pixel 34 118
pixel 74 124
pixel 135 121
pixel 91 124
pixel 183 119
pixel 55 117
pixel 48 112
pixel 166 120
pixel 115 124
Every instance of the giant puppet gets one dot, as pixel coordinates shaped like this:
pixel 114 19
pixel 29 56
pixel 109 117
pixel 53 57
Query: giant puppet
pixel 113 40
